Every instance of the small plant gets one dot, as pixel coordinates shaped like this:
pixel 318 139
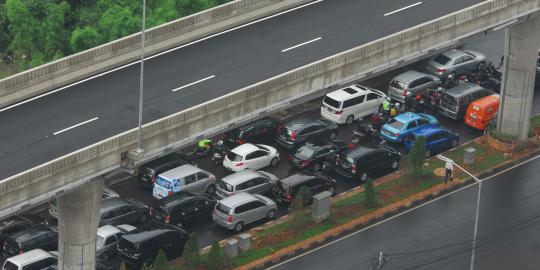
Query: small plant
pixel 370 194
pixel 191 255
pixel 417 158
pixel 122 266
pixel 161 261
pixel 216 259
pixel 302 199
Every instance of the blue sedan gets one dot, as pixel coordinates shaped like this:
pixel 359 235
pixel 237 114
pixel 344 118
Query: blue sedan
pixel 438 139
pixel 402 125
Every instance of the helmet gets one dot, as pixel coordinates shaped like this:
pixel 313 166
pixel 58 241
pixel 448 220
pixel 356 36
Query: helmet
pixel 220 142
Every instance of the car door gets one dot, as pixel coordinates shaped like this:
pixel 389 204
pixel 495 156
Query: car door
pixel 359 106
pixel 411 126
pixel 246 186
pixel 190 183
pixel 258 210
pixel 308 132
pixel 189 210
pixel 261 185
pixel 321 155
pixel 468 64
pixel 260 159
pixel 270 134
pixel 315 186
pixel 110 244
pixel 371 104
pixel 424 83
pixel 415 85
pixel 431 144
pixel 259 132
pixel 422 122
pixel 203 180
pixel 129 213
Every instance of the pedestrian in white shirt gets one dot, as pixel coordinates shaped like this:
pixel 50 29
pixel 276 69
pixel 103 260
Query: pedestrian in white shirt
pixel 449 166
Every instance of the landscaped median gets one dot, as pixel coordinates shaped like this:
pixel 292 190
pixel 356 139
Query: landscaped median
pixel 296 233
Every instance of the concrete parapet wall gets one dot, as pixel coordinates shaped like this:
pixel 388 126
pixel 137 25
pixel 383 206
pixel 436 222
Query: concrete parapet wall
pixel 275 93
pixel 119 52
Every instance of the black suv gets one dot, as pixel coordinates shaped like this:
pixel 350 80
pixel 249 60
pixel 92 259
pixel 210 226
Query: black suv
pixel 261 131
pixel 286 188
pixel 183 207
pixel 303 129
pixel 141 248
pixel 150 170
pixel 116 211
pixel 313 153
pixel 14 224
pixel 37 236
pixel 367 161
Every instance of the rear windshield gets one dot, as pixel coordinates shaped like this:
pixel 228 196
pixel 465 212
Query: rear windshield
pixel 234 157
pixel 10 266
pixel 395 124
pixel 304 152
pixel 99 240
pixel 225 186
pixel 332 102
pixel 164 182
pixel 282 187
pixel 125 244
pixel 397 84
pixel 442 59
pixel 449 100
pixel 347 159
pixel 223 209
pixel 11 248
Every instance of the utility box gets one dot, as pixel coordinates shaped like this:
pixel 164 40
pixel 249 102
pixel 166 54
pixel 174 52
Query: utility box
pixel 231 248
pixel 469 156
pixel 320 210
pixel 245 242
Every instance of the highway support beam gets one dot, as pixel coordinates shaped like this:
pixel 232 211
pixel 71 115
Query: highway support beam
pixel 78 219
pixel 517 89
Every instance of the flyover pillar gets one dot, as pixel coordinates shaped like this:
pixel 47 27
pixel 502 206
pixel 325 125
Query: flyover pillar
pixel 78 218
pixel 517 89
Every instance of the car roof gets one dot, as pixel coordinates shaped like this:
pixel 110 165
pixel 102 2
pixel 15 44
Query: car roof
pixel 298 178
pixel 112 203
pixel 454 53
pixel 29 233
pixel 427 130
pixel 299 123
pixel 180 171
pixel 349 92
pixel 410 75
pixel 245 148
pixel 251 124
pixel 463 89
pixel 107 230
pixel 407 116
pixel 145 235
pixel 237 199
pixel 30 256
pixel 241 176
pixel 359 151
pixel 316 144
pixel 12 221
pixel 486 101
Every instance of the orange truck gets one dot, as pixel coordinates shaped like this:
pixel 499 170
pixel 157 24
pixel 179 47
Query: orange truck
pixel 481 111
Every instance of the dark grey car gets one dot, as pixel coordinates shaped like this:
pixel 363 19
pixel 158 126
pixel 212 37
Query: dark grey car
pixel 455 62
pixel 411 82
pixel 303 129
pixel 116 211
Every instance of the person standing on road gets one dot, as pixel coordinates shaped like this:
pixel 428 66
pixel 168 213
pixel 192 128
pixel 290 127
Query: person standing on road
pixel 449 166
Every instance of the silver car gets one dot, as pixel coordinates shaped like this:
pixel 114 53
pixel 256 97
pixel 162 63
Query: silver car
pixel 455 62
pixel 107 193
pixel 238 210
pixel 411 82
pixel 249 181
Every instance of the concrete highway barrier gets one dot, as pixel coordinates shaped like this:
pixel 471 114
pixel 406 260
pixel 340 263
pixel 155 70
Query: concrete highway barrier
pixel 126 50
pixel 50 179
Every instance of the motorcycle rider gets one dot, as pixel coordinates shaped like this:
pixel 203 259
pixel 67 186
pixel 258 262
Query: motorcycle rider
pixel 204 146
pixel 386 106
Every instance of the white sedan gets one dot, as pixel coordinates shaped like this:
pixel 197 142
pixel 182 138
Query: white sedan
pixel 251 156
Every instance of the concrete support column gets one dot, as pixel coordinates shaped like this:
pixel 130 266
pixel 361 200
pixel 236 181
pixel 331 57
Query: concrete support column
pixel 520 54
pixel 78 218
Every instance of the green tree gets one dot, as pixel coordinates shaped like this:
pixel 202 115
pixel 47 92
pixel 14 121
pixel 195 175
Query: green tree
pixel 191 255
pixel 161 262
pixel 302 199
pixel 417 158
pixel 118 22
pixel 370 194
pixel 216 259
pixel 83 39
pixel 162 11
pixel 53 31
pixel 122 266
pixel 23 28
pixel 4 31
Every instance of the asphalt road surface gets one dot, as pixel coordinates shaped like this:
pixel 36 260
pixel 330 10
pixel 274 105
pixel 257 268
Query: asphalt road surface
pixel 439 234
pixel 60 123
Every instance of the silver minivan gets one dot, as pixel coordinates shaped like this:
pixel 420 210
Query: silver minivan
pixel 249 181
pixel 186 177
pixel 411 82
pixel 238 210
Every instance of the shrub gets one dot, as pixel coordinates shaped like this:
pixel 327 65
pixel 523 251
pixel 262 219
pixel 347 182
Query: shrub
pixel 161 261
pixel 216 259
pixel 370 194
pixel 417 158
pixel 191 255
pixel 302 199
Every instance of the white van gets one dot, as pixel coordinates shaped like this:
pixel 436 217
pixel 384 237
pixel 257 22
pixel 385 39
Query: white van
pixel 33 259
pixel 354 102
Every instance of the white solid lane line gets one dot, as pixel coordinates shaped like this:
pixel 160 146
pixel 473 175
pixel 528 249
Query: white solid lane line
pixel 193 83
pixel 77 125
pixel 301 44
pixel 403 8
pixel 159 54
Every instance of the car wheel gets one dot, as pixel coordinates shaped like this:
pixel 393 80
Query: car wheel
pixel 454 143
pixel 143 219
pixel 428 153
pixel 239 226
pixel 481 65
pixel 350 120
pixel 395 165
pixel 333 136
pixel 271 214
pixel 316 167
pixel 274 162
pixel 211 189
pixel 364 177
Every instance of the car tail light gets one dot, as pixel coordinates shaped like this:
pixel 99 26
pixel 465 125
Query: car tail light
pixel 153 179
pixel 396 135
pixel 170 193
pixel 353 168
pixel 440 69
pixel 229 218
pixel 289 196
pixel 240 141
pixel 339 112
pixel 405 92
pixel 168 219
pixel 351 146
pixel 293 136
pixel 239 164
pixel 305 163
pixel 290 156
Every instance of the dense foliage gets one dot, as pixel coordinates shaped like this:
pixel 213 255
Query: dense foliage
pixel 417 158
pixel 33 32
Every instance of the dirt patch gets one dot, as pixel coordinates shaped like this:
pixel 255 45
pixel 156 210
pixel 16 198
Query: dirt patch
pixel 387 194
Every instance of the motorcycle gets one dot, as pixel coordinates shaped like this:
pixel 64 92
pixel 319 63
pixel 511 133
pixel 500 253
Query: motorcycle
pixel 414 104
pixel 489 76
pixel 219 153
pixel 329 164
pixel 433 98
pixel 366 134
pixel 203 151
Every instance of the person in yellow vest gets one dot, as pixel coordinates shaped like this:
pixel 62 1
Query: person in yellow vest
pixel 386 106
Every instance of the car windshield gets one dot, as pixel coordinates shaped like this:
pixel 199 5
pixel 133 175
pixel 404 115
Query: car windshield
pixel 232 156
pixel 331 102
pixel 396 124
pixel 163 182
pixel 224 185
pixel 347 159
pixel 304 152
pixel 450 100
pixel 397 84
pixel 99 241
pixel 262 147
pixel 442 59
pixel 223 209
